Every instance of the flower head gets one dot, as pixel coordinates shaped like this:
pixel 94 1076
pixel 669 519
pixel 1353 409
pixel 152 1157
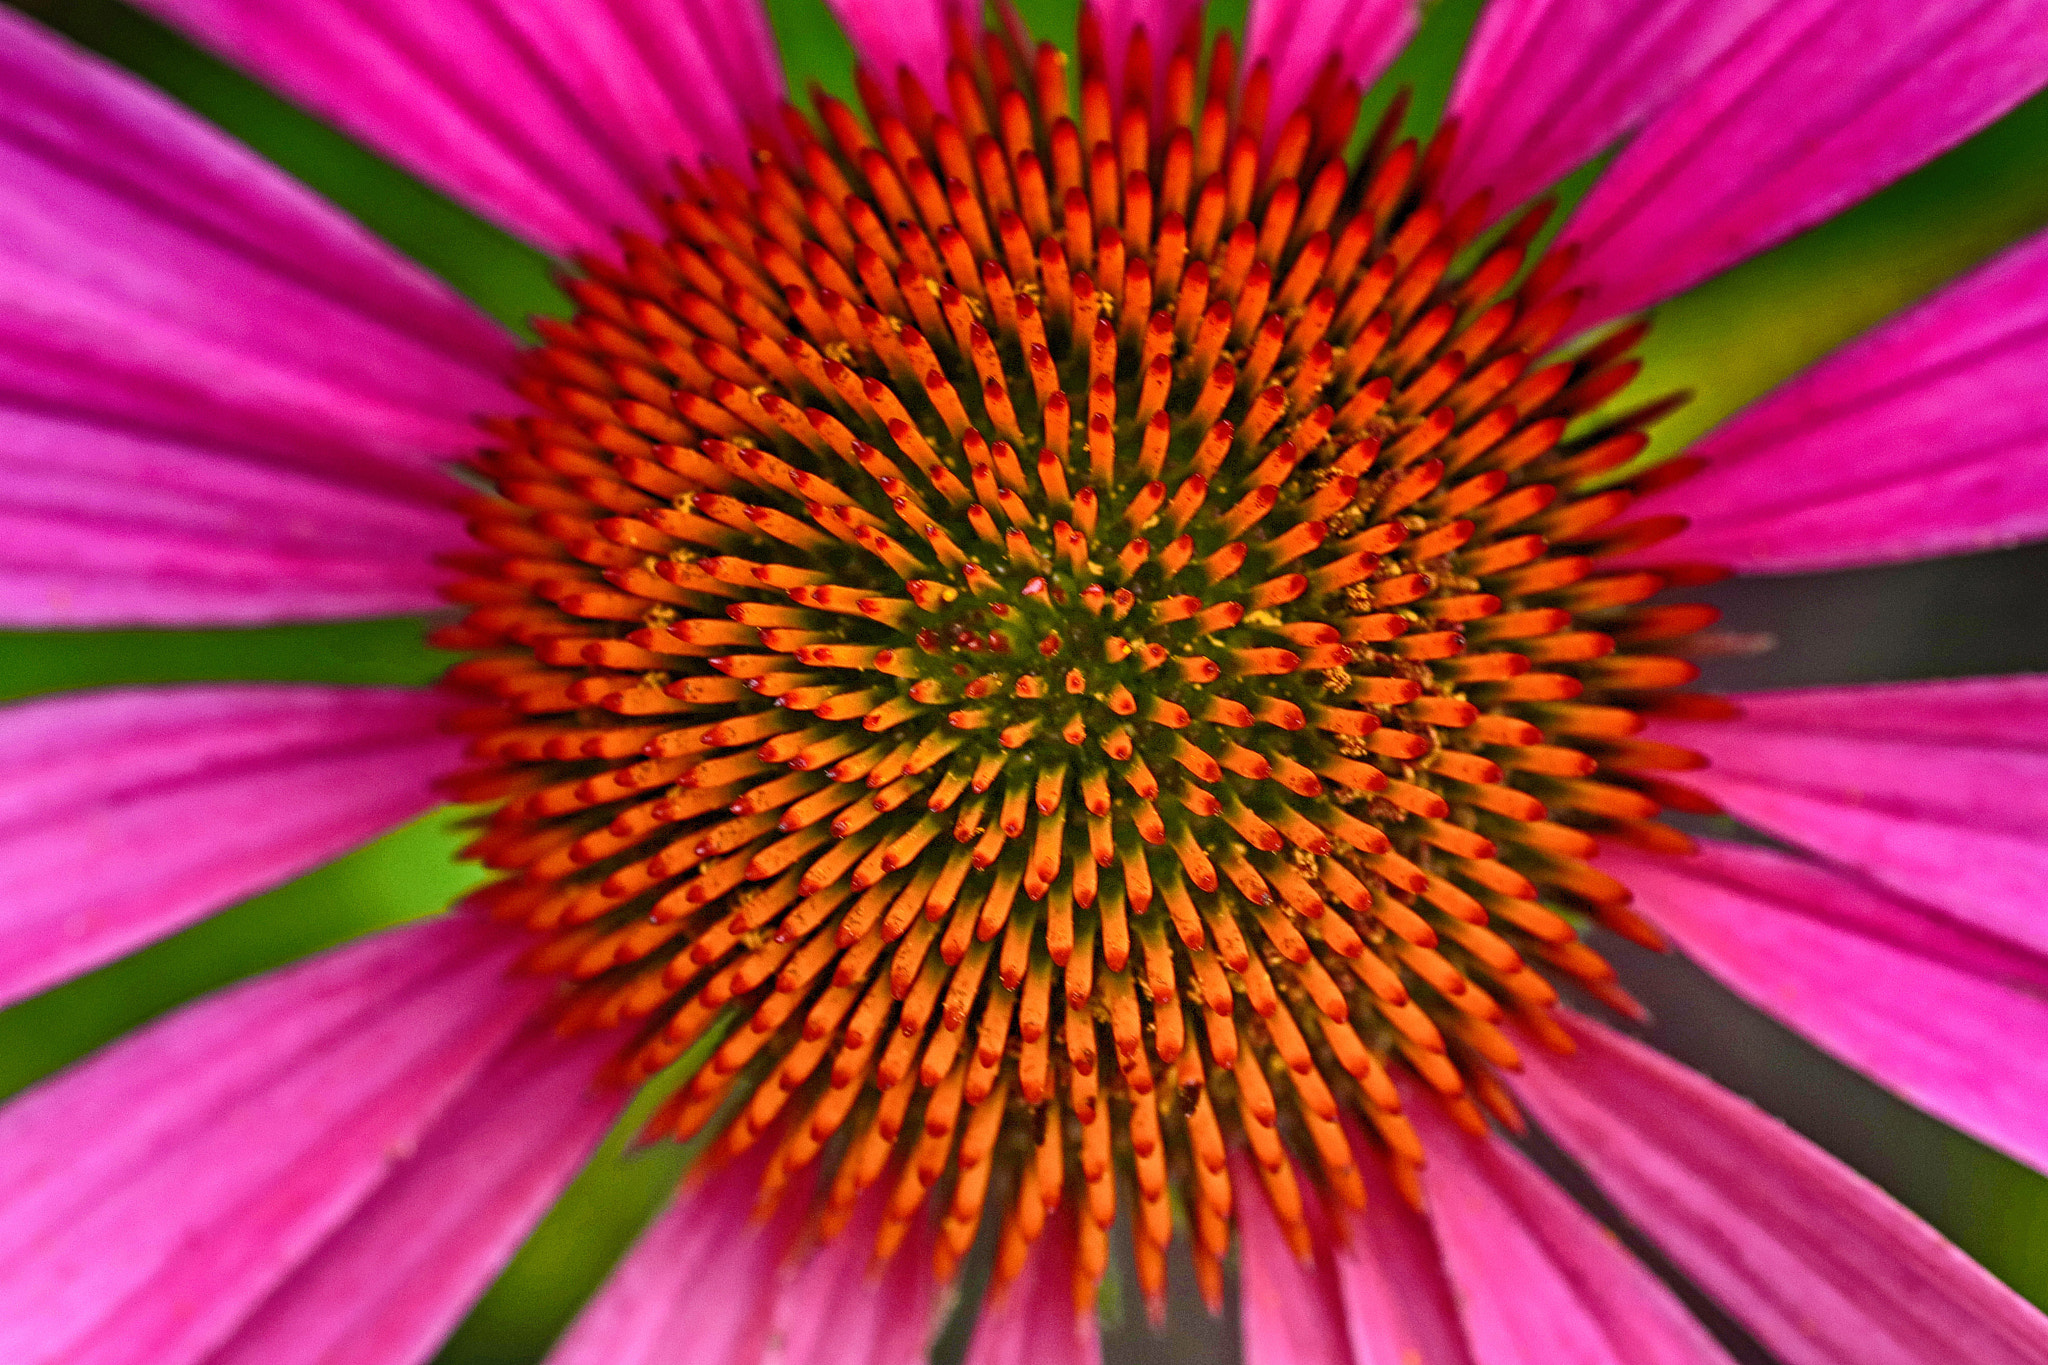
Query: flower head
pixel 957 686
pixel 1061 646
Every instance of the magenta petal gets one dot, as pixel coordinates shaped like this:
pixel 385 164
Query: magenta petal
pixel 221 402
pixel 1299 36
pixel 707 1284
pixel 157 278
pixel 104 526
pixel 1922 438
pixel 1033 1320
pixel 1819 1264
pixel 1895 989
pixel 1989 710
pixel 127 814
pixel 1956 820
pixel 1290 1312
pixel 1538 1278
pixel 1813 107
pixel 1547 85
pixel 890 36
pixel 559 120
pixel 397 1278
pixel 698 1286
pixel 1165 22
pixel 837 1307
pixel 158 1191
pixel 1399 1305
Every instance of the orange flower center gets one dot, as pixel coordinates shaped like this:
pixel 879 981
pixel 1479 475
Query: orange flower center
pixel 1033 648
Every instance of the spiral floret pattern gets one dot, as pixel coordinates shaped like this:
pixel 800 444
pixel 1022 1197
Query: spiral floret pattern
pixel 1041 646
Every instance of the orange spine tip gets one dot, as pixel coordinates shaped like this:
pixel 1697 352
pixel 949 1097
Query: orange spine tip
pixel 773 590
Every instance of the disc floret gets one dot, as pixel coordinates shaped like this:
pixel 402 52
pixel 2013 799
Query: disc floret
pixel 1054 644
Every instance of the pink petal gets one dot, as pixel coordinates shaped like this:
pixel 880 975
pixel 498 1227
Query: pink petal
pixel 1547 85
pixel 220 401
pixel 1399 1305
pixel 159 279
pixel 839 1307
pixel 1290 1313
pixel 128 813
pixel 889 36
pixel 397 1278
pixel 1033 1319
pixel 1893 988
pixel 1538 1279
pixel 558 119
pixel 1164 22
pixel 1298 36
pixel 1991 710
pixel 699 1285
pixel 1815 106
pixel 1923 438
pixel 160 1190
pixel 709 1285
pixel 111 526
pixel 1819 1264
pixel 1957 821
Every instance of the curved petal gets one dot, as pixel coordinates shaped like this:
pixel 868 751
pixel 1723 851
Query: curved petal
pixel 708 1284
pixel 1400 1307
pixel 840 1307
pixel 889 36
pixel 1817 105
pixel 1547 85
pixel 128 813
pixel 1924 438
pixel 1291 1312
pixel 106 526
pixel 558 118
pixel 1895 989
pixel 698 1286
pixel 1299 36
pixel 221 402
pixel 1959 821
pixel 1819 1264
pixel 397 1278
pixel 158 1191
pixel 1167 23
pixel 156 277
pixel 1963 710
pixel 1033 1320
pixel 1538 1278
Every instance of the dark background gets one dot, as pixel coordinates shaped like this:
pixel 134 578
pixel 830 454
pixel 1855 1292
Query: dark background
pixel 1727 341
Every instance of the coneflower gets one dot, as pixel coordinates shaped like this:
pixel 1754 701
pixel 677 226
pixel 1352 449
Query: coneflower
pixel 1053 649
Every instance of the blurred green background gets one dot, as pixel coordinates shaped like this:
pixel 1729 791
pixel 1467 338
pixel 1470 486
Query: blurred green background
pixel 1728 341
